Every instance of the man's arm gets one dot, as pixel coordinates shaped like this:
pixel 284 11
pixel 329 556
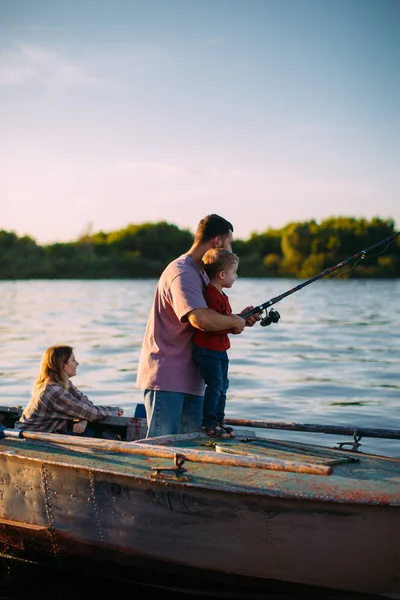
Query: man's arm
pixel 207 319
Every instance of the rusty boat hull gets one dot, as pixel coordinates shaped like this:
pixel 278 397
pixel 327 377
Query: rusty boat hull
pixel 249 511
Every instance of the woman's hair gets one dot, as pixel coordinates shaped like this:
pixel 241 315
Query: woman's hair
pixel 52 368
pixel 218 259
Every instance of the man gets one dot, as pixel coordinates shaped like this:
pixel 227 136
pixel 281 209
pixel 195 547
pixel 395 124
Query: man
pixel 172 384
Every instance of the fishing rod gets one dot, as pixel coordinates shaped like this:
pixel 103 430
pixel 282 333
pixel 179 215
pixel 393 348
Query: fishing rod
pixel 273 316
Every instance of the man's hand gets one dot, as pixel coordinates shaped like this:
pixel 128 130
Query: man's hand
pixel 253 319
pixel 238 323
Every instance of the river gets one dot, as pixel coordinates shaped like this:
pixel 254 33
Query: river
pixel 333 358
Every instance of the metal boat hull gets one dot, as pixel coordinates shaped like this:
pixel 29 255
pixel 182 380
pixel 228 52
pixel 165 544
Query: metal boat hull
pixel 71 507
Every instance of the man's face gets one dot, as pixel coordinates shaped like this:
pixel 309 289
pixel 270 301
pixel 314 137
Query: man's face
pixel 226 242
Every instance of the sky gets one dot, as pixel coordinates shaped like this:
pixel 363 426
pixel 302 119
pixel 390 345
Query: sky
pixel 266 112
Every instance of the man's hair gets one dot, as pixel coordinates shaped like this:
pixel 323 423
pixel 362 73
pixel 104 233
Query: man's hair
pixel 218 259
pixel 212 226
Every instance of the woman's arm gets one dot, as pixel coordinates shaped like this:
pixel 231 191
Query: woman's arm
pixel 73 403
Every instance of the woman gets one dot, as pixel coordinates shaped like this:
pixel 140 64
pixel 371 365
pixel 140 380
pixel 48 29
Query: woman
pixel 56 402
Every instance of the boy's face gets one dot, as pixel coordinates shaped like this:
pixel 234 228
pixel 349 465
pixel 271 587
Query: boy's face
pixel 229 276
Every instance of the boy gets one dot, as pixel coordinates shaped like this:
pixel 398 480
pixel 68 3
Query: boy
pixel 210 347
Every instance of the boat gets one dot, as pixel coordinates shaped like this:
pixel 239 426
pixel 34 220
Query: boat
pixel 251 513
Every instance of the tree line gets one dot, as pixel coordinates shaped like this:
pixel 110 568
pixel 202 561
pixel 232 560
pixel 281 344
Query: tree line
pixel 298 250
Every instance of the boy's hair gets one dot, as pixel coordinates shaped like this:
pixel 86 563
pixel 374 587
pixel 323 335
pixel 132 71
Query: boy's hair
pixel 212 226
pixel 218 259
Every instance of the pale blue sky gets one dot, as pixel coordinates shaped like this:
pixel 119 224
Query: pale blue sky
pixel 264 111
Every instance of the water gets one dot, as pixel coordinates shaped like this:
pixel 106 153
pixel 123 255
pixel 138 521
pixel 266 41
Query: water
pixel 333 358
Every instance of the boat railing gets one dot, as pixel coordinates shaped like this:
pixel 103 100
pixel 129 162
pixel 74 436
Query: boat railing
pixel 393 434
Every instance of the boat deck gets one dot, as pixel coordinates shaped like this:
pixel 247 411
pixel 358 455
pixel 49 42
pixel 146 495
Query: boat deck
pixel 248 464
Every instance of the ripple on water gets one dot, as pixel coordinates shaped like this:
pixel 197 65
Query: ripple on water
pixel 333 357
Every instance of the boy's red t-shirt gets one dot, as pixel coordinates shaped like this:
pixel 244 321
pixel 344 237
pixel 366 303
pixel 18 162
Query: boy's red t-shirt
pixel 214 340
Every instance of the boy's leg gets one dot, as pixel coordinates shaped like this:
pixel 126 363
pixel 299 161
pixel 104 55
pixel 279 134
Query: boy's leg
pixel 224 366
pixel 210 368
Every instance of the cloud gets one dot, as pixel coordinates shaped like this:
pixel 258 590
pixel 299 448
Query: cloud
pixel 150 168
pixel 155 169
pixel 214 42
pixel 26 64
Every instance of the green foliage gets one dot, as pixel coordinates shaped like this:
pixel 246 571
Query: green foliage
pixel 300 250
pixel 20 258
pixel 151 240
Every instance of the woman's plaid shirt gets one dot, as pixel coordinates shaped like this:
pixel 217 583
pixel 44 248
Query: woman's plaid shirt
pixel 51 410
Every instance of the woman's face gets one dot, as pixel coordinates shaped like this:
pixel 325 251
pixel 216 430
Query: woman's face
pixel 71 365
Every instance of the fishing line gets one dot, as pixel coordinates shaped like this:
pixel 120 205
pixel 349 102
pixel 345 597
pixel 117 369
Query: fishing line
pixel 363 257
pixel 352 268
pixel 273 316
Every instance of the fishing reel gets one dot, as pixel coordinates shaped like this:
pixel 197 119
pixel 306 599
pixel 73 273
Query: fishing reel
pixel 270 317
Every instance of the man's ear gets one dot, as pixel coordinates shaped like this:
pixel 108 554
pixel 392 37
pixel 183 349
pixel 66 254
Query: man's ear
pixel 217 242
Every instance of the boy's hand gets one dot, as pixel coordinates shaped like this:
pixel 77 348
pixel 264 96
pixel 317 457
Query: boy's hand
pixel 250 321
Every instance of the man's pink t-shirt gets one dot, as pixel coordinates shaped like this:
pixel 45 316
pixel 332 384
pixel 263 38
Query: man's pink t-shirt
pixel 166 357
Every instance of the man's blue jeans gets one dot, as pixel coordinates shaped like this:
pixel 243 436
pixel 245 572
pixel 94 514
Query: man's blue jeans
pixel 214 365
pixel 169 413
